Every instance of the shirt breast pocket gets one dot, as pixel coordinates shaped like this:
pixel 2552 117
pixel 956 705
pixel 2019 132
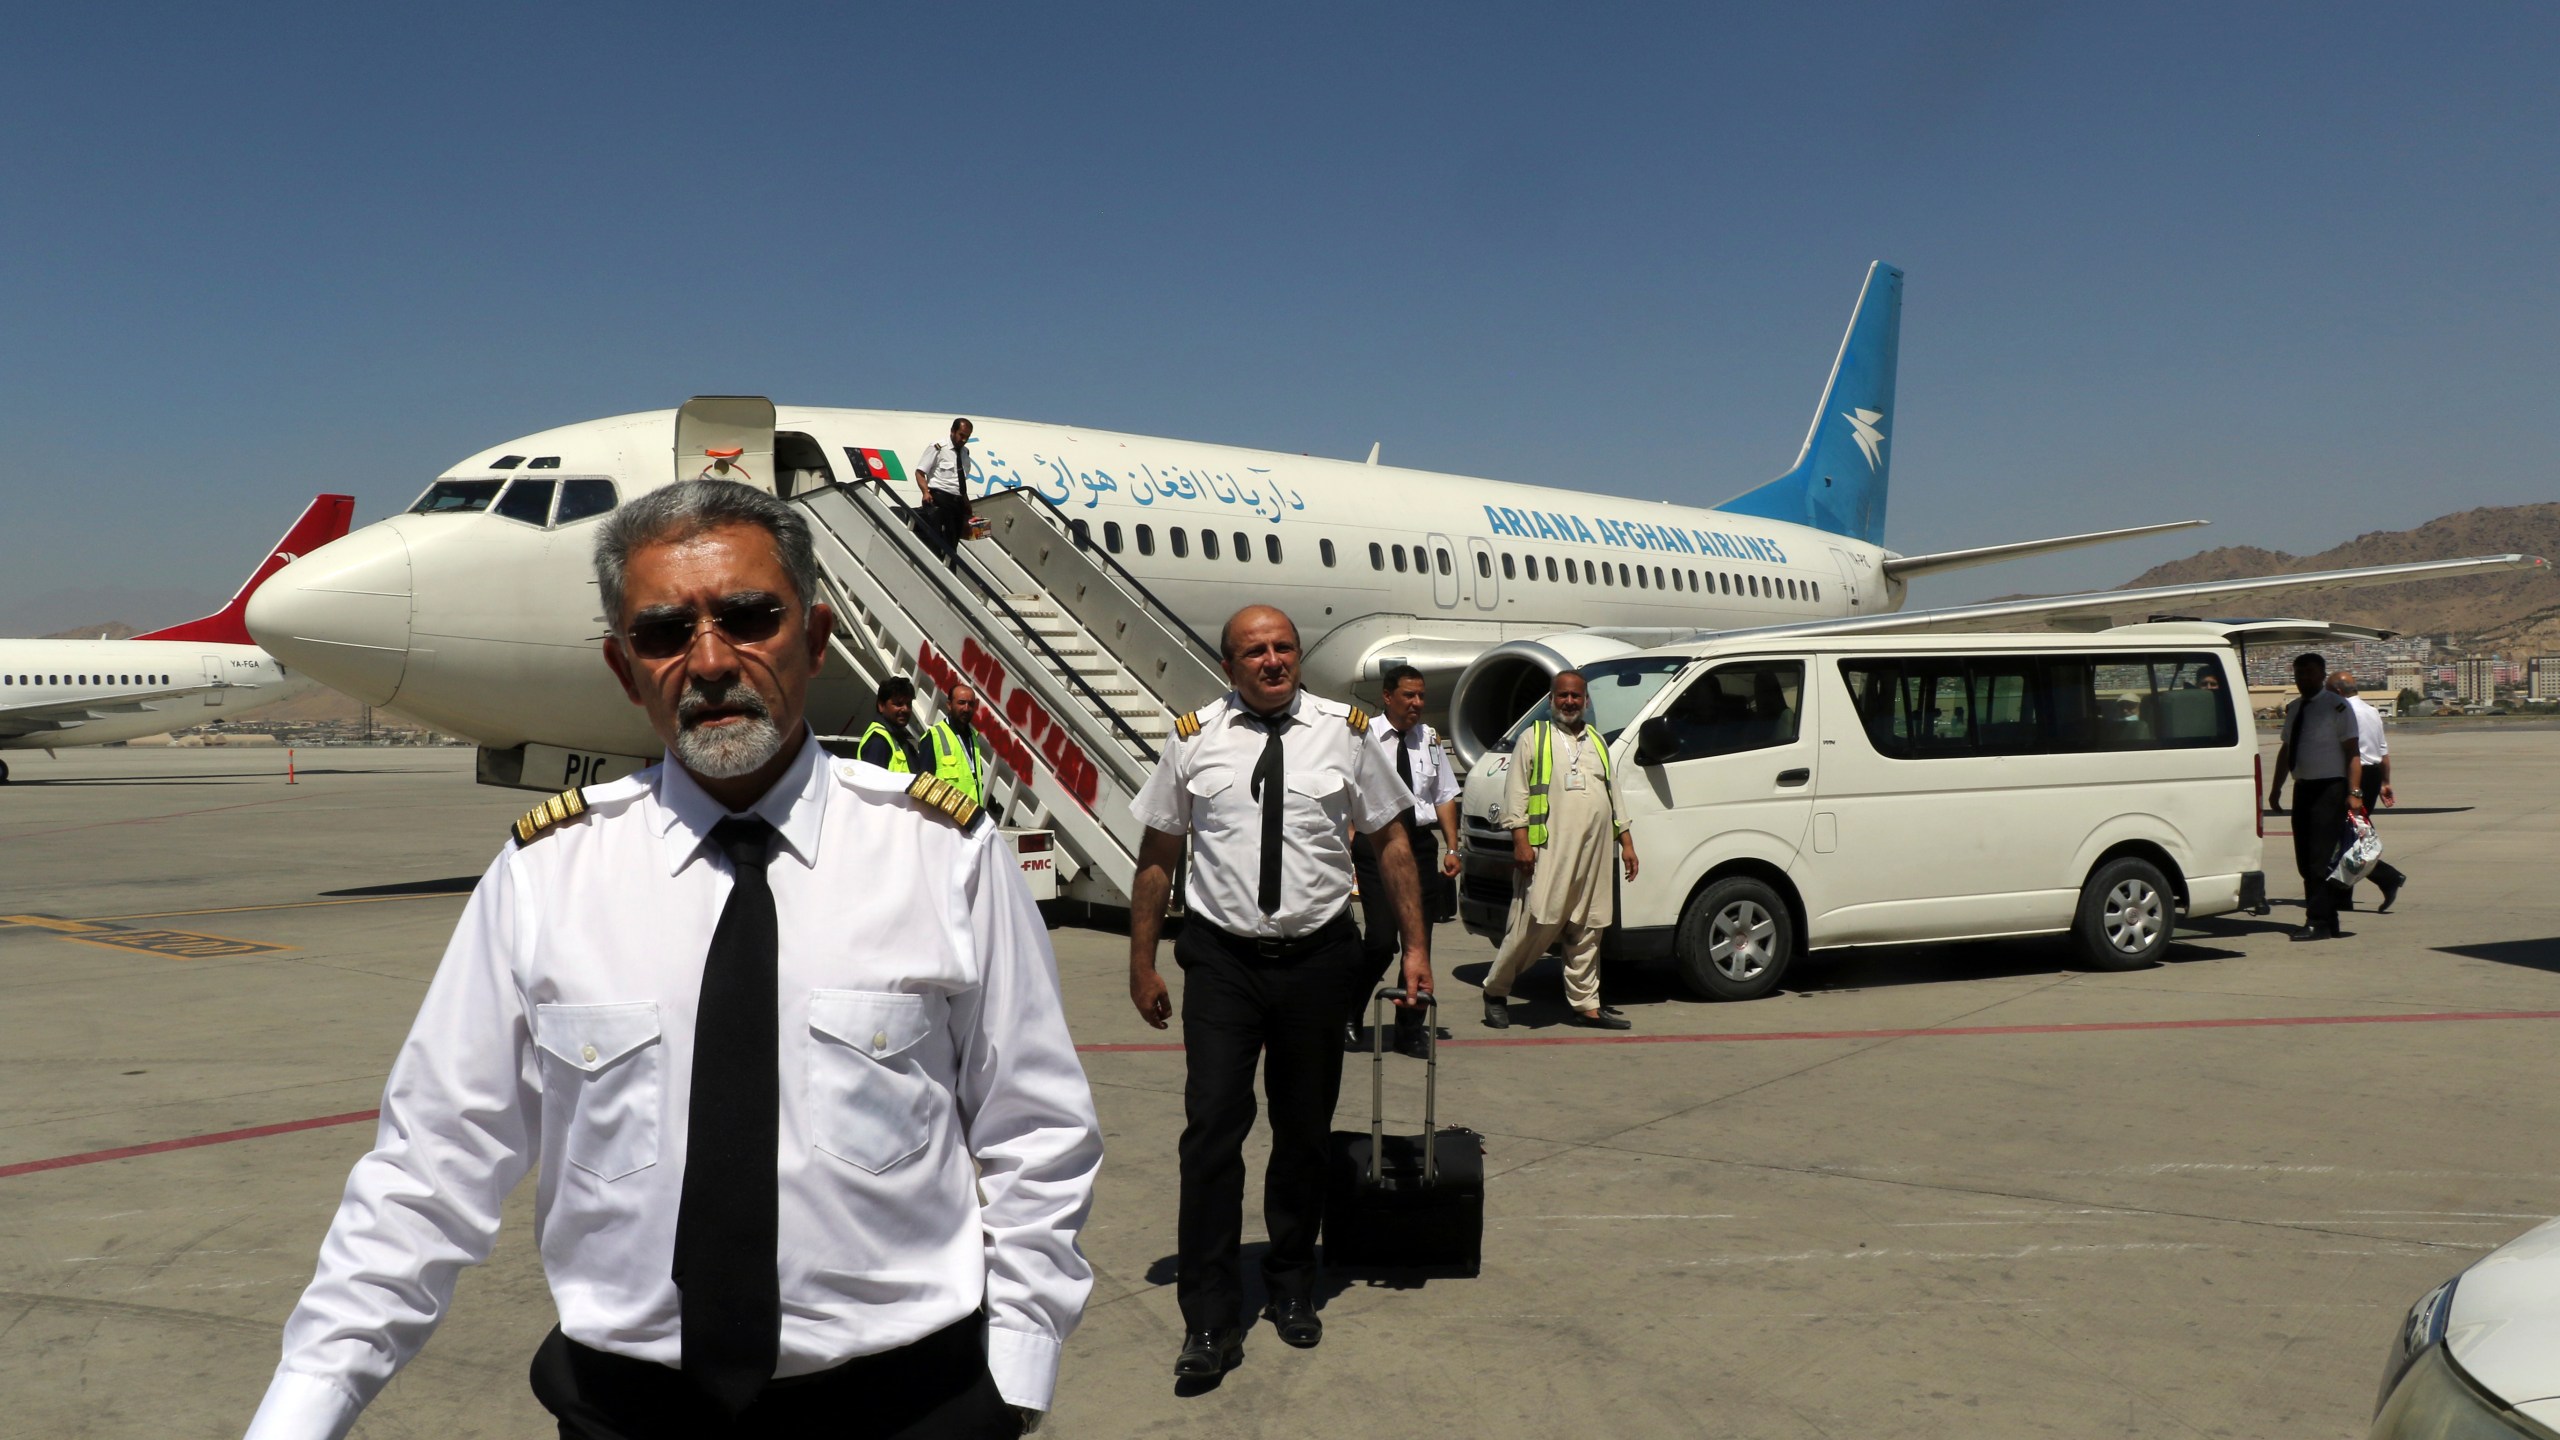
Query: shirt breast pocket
pixel 1318 802
pixel 605 1066
pixel 871 1100
pixel 1208 791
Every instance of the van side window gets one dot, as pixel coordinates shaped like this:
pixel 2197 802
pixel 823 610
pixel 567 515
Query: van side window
pixel 1929 707
pixel 1733 708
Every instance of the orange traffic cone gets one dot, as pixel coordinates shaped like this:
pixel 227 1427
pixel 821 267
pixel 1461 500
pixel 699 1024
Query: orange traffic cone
pixel 288 769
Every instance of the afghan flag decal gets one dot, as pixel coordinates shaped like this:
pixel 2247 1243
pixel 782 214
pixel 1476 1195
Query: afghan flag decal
pixel 880 465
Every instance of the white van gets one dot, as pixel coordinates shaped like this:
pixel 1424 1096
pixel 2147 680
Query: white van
pixel 1792 793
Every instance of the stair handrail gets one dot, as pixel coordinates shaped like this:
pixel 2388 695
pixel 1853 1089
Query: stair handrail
pixel 996 597
pixel 1083 539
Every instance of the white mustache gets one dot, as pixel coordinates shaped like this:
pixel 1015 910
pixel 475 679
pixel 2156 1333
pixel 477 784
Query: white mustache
pixel 742 698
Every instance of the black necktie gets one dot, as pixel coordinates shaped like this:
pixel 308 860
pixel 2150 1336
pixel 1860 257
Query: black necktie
pixel 1404 761
pixel 1270 789
pixel 2293 731
pixel 725 1223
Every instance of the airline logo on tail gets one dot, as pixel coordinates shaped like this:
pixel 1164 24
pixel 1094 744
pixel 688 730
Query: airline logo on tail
pixel 1862 425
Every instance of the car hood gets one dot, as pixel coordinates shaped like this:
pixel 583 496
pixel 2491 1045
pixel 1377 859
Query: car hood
pixel 2505 1327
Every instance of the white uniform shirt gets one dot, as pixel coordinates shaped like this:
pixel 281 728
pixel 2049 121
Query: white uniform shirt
pixel 1203 788
pixel 940 466
pixel 1433 780
pixel 2319 750
pixel 2370 744
pixel 925 1064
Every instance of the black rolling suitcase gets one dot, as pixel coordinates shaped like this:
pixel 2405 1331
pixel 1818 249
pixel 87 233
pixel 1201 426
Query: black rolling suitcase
pixel 1405 1202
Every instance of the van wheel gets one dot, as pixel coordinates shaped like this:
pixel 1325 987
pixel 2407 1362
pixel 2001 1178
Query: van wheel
pixel 1735 940
pixel 2126 913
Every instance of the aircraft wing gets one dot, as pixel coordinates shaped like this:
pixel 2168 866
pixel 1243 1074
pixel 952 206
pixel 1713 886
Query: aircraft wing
pixel 2100 609
pixel 1905 567
pixel 37 719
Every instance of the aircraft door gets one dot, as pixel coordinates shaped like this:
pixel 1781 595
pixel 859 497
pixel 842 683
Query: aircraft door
pixel 213 679
pixel 1444 572
pixel 743 423
pixel 1848 575
pixel 1486 585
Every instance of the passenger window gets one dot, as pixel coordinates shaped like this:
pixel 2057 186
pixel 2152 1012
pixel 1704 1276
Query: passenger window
pixel 528 501
pixel 1641 582
pixel 1443 556
pixel 1181 541
pixel 447 497
pixel 1733 708
pixel 1817 592
pixel 1111 536
pixel 1398 552
pixel 582 499
pixel 1622 573
pixel 1484 564
pixel 1324 552
pixel 1146 540
pixel 1244 546
pixel 1083 531
pixel 1551 567
pixel 1657 577
pixel 1509 570
pixel 1208 543
pixel 1271 548
pixel 1377 557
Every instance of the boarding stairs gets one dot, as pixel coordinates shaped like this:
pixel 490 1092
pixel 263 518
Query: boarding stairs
pixel 1079 669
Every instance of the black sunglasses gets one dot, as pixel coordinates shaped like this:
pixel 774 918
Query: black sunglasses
pixel 665 634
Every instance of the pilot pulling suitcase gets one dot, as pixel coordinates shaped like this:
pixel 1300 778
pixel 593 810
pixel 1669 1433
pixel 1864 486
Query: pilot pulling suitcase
pixel 1405 1202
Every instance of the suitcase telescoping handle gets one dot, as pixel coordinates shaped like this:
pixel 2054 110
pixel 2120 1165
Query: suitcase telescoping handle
pixel 1430 1082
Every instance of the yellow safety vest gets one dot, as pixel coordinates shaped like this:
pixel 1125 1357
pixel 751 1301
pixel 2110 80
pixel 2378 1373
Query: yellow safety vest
pixel 953 761
pixel 1542 774
pixel 897 749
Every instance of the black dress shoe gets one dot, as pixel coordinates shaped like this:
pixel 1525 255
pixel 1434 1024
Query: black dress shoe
pixel 2390 893
pixel 1607 1019
pixel 1351 1038
pixel 1497 1012
pixel 1296 1321
pixel 1411 1041
pixel 2311 932
pixel 1208 1353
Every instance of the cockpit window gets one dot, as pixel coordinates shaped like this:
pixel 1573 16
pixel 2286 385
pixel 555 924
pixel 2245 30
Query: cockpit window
pixel 447 497
pixel 582 498
pixel 528 500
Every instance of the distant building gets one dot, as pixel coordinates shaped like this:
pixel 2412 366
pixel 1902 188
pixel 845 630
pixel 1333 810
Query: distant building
pixel 2408 675
pixel 2544 677
pixel 2475 681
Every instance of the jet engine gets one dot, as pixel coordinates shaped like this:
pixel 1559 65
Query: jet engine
pixel 1500 685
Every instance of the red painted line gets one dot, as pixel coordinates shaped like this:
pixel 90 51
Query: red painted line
pixel 2261 1022
pixel 357 1117
pixel 190 1142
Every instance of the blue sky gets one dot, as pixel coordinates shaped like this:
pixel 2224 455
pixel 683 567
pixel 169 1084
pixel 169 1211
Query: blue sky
pixel 2284 268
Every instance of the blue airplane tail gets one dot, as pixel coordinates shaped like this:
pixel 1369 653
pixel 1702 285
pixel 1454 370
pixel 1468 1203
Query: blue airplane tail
pixel 1838 483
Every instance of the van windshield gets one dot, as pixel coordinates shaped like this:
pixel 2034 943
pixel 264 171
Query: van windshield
pixel 1620 689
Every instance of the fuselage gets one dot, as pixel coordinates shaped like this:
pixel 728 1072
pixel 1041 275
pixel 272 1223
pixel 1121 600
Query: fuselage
pixel 95 692
pixel 478 614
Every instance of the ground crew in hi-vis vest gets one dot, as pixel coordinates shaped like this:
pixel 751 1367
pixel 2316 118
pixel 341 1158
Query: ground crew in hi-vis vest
pixel 890 742
pixel 960 753
pixel 1560 802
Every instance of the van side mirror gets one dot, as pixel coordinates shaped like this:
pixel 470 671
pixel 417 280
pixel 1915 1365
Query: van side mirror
pixel 1655 744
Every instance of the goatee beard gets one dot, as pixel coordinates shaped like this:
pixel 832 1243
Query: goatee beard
pixel 739 747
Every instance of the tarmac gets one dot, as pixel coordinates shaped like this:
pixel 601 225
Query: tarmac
pixel 1949 1190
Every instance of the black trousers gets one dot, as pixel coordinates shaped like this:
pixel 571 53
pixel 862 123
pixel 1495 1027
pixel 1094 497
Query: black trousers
pixel 1237 1007
pixel 946 518
pixel 2319 818
pixel 1381 940
pixel 934 1388
pixel 2385 875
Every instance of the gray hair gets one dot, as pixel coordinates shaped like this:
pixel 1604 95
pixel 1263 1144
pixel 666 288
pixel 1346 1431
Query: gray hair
pixel 689 507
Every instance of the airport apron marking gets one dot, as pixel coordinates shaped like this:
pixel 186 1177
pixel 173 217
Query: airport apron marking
pixel 176 944
pixel 358 1117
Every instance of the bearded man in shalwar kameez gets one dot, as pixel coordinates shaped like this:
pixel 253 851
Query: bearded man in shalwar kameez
pixel 1560 801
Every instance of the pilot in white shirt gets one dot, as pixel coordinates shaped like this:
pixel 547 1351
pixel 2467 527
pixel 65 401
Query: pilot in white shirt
pixel 1411 749
pixel 894 1050
pixel 1265 782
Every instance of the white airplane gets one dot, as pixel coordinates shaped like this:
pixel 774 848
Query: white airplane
pixel 55 693
pixel 476 611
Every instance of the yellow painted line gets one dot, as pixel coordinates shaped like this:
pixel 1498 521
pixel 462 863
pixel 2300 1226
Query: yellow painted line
pixel 51 922
pixel 175 944
pixel 286 905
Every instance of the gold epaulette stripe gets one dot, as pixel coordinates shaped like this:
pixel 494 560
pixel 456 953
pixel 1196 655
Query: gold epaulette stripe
pixel 1359 719
pixel 563 806
pixel 944 797
pixel 1187 724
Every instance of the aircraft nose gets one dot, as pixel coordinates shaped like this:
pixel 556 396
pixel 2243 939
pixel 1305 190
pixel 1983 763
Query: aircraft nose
pixel 341 613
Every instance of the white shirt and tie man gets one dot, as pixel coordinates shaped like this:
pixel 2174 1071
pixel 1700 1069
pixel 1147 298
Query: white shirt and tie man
pixel 2373 747
pixel 1265 782
pixel 942 475
pixel 1412 750
pixel 812 1155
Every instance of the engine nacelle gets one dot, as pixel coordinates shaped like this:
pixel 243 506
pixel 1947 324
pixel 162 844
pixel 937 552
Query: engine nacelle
pixel 1500 685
